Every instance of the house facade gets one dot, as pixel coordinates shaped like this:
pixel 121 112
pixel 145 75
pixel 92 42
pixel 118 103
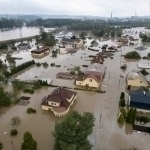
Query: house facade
pixel 93 76
pixel 89 80
pixel 41 51
pixel 136 79
pixel 59 101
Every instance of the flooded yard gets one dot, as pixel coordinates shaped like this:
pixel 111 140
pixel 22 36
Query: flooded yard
pixel 107 135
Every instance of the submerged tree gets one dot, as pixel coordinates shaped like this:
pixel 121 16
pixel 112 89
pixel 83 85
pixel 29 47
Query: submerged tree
pixel 15 120
pixel 73 132
pixel 28 142
pixel 1 146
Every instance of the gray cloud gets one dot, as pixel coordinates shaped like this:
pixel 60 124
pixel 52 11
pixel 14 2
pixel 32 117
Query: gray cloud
pixel 76 7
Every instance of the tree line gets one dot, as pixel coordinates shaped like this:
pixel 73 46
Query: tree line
pixel 10 23
pixel 76 24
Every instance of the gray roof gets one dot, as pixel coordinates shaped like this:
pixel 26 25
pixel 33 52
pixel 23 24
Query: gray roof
pixel 139 96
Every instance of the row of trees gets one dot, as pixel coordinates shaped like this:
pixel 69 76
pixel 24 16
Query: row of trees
pixel 19 68
pixel 10 23
pixel 76 24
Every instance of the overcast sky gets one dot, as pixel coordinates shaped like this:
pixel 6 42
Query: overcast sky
pixel 119 8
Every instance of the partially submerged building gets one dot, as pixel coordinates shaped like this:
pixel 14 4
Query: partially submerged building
pixel 24 46
pixel 41 51
pixel 59 101
pixel 93 76
pixel 136 79
pixel 139 99
pixel 97 59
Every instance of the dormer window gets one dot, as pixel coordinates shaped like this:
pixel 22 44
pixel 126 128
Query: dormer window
pixel 90 80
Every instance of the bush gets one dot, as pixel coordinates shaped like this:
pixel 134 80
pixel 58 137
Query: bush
pixel 15 120
pixel 121 119
pixel 133 55
pixel 57 65
pixel 144 72
pixel 19 68
pixel 84 65
pixel 124 112
pixel 52 64
pixel 131 116
pixel 31 110
pixel 36 85
pixel 13 132
pixel 122 96
pixel 38 64
pixel 144 119
pixel 45 64
pixel 122 103
pixel 129 87
pixel 31 91
pixel 124 67
pixel 54 54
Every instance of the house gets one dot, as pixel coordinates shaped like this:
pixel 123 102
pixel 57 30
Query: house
pixel 136 79
pixel 40 51
pixel 112 49
pixel 97 59
pixel 24 46
pixel 90 79
pixel 139 99
pixel 72 43
pixel 93 76
pixel 59 101
pixel 105 54
pixel 134 41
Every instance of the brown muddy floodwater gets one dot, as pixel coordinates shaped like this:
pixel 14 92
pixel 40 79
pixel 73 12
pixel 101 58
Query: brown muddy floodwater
pixel 107 135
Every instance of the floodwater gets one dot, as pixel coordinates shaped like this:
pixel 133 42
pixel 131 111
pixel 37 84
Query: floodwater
pixel 20 33
pixel 106 133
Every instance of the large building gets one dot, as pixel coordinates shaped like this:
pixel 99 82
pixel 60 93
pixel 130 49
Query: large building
pixel 139 99
pixel 59 101
pixel 136 79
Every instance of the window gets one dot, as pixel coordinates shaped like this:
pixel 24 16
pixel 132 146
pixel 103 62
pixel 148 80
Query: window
pixel 140 81
pixel 90 80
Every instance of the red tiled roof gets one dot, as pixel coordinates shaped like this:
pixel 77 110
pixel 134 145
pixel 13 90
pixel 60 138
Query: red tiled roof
pixel 59 95
pixel 97 59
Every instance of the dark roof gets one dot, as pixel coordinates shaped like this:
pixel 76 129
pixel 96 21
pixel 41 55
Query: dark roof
pixel 97 59
pixel 23 44
pixel 139 96
pixel 59 95
pixel 68 40
pixel 108 54
pixel 40 49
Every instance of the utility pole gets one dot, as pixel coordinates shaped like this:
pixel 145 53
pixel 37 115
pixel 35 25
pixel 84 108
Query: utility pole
pixel 12 145
pixel 109 78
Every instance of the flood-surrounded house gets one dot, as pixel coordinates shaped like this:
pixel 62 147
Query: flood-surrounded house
pixel 59 101
pixel 92 77
pixel 41 51
pixel 136 79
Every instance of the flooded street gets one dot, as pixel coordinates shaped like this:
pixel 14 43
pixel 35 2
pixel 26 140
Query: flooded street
pixel 107 135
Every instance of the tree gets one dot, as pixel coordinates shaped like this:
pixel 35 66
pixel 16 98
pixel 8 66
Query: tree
pixel 73 132
pixel 15 120
pixel 133 55
pixel 1 146
pixel 124 112
pixel 28 142
pixel 122 103
pixel 131 116
pixel 122 95
pixel 5 97
pixel 82 35
pixel 121 119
